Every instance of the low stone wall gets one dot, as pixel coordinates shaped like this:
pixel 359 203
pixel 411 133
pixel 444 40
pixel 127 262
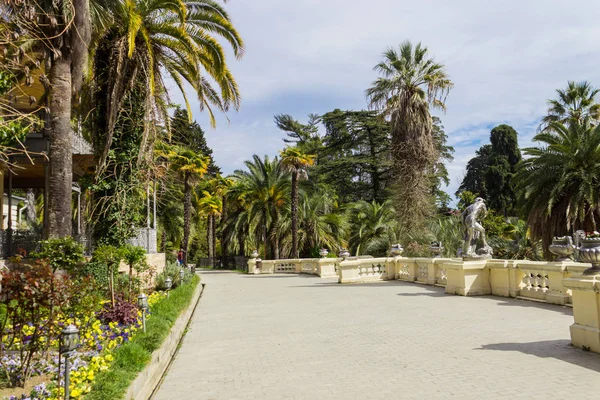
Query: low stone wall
pixel 323 267
pixel 148 380
pixel 157 263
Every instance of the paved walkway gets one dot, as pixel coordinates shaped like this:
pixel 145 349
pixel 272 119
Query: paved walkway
pixel 300 337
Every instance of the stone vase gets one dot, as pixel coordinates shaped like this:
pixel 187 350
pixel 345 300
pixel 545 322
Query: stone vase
pixel 589 251
pixel 562 248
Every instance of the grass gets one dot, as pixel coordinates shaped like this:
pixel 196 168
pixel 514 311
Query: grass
pixel 133 356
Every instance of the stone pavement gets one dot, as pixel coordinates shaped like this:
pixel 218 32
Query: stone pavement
pixel 302 337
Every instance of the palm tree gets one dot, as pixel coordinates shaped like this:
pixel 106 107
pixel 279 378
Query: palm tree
pixel 149 41
pixel 211 205
pixel 296 162
pixel 559 181
pixel 411 82
pixel 372 225
pixel 265 188
pixel 190 167
pixel 573 105
pixel 54 36
pixel 321 225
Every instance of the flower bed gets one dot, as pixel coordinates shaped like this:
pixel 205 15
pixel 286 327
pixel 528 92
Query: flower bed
pixel 95 354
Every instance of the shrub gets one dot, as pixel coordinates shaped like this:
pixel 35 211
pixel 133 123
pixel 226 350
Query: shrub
pixel 98 271
pixel 61 254
pixel 171 270
pixel 124 312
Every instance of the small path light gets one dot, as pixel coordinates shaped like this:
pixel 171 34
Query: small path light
pixel 69 339
pixel 181 275
pixel 143 305
pixel 168 285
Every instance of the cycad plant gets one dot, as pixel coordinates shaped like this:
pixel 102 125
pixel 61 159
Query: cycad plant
pixel 559 181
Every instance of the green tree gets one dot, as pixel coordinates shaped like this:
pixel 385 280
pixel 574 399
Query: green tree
pixel 373 224
pixel 474 180
pixel 505 155
pixel 410 83
pixel 212 206
pixel 189 167
pixel 296 162
pixel 574 104
pixel 354 159
pixel 439 172
pixel 190 135
pixel 57 33
pixel 559 181
pixel 151 40
pixel 265 188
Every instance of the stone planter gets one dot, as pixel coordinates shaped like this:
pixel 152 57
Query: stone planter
pixel 344 253
pixel 396 250
pixel 562 247
pixel 589 252
pixel 436 249
pixel 323 253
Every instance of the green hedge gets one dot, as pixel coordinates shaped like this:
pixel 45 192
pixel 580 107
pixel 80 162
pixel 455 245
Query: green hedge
pixel 133 356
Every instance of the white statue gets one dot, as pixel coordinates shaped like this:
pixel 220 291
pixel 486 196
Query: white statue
pixel 475 246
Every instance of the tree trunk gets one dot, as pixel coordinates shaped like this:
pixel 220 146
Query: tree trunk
pixel 209 239
pixel 187 214
pixel 274 239
pixel 295 214
pixel 224 241
pixel 60 169
pixel 164 241
pixel 214 239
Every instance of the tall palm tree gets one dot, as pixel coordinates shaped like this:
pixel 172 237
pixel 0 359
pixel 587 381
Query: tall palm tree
pixel 152 40
pixel 211 205
pixel 573 105
pixel 296 162
pixel 189 167
pixel 559 181
pixel 372 225
pixel 55 34
pixel 410 83
pixel 266 192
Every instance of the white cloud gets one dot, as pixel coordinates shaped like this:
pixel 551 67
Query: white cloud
pixel 505 58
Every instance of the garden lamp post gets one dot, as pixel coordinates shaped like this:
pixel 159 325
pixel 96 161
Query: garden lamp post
pixel 69 339
pixel 181 275
pixel 143 305
pixel 168 285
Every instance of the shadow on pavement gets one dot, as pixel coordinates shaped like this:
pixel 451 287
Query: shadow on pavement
pixel 512 302
pixel 558 349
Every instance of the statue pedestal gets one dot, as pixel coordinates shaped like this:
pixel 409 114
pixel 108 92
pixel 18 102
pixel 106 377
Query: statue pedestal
pixel 467 278
pixel 585 332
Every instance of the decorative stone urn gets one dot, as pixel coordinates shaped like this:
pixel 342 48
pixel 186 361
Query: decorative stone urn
pixel 254 254
pixel 589 251
pixel 562 247
pixel 323 253
pixel 344 253
pixel 396 250
pixel 436 249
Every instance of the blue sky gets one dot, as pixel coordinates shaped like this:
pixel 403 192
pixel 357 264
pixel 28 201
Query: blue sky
pixel 312 56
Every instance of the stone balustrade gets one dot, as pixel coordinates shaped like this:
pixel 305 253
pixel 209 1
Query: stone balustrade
pixel 366 270
pixel 558 282
pixel 323 267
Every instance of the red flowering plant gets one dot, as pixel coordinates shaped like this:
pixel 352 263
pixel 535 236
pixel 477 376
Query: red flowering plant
pixel 592 235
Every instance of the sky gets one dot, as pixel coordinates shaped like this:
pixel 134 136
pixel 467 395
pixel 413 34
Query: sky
pixel 506 59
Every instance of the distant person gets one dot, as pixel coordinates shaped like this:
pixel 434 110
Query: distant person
pixel 180 257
